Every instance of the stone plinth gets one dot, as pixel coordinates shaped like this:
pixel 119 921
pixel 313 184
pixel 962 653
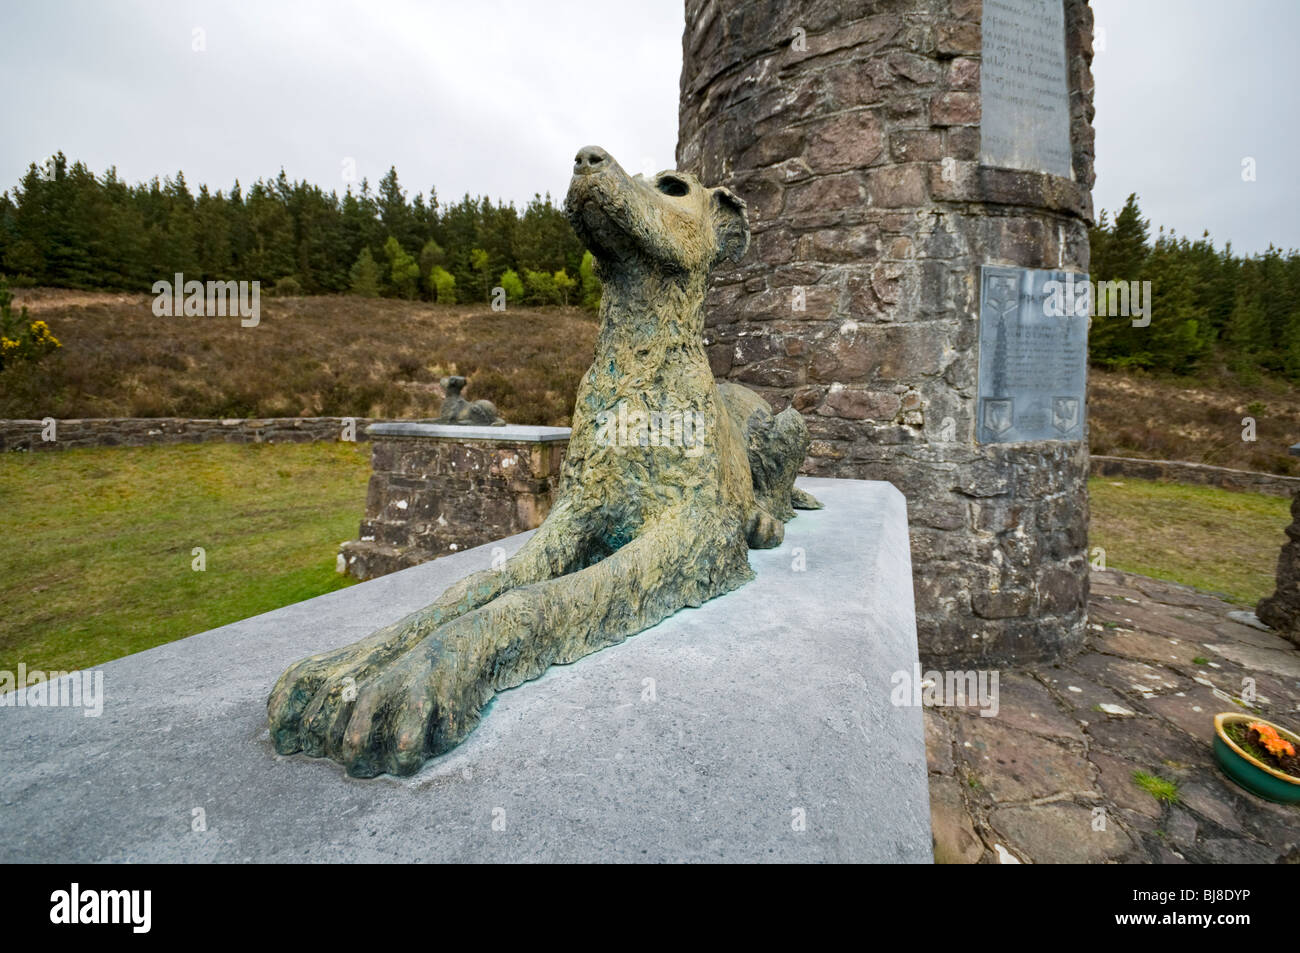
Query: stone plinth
pixel 441 488
pixel 854 133
pixel 757 727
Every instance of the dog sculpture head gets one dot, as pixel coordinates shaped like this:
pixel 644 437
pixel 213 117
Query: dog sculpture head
pixel 668 221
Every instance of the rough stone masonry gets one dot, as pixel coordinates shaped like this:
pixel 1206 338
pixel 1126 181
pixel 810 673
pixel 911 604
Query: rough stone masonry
pixel 437 489
pixel 854 133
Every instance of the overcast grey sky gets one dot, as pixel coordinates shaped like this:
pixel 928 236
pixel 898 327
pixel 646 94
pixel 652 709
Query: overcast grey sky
pixel 494 97
pixel 1187 89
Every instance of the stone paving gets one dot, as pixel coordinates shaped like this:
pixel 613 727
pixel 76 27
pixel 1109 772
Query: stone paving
pixel 1050 778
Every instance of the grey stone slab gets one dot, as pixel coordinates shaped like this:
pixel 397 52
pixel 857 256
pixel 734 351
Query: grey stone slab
pixel 1024 91
pixel 706 737
pixel 1284 663
pixel 518 433
pixel 1033 355
pixel 1060 833
pixel 1248 618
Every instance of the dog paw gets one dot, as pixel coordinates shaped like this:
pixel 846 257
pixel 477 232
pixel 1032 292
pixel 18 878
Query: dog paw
pixel 765 531
pixel 308 685
pixel 417 707
pixel 374 717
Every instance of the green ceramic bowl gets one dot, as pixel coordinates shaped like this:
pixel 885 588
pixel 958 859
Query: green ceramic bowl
pixel 1251 773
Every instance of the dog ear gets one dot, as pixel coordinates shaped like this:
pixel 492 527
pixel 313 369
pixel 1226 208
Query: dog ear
pixel 731 223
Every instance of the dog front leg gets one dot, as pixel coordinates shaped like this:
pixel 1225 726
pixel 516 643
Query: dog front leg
pixel 428 699
pixel 309 690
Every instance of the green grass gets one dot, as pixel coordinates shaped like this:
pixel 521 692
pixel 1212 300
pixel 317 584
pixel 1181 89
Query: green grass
pixel 1215 540
pixel 1166 792
pixel 96 545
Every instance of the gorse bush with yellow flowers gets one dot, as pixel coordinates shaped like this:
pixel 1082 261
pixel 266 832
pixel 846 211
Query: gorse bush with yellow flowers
pixel 20 339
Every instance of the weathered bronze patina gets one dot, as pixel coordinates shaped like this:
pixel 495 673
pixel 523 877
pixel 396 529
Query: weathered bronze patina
pixel 669 478
pixel 456 409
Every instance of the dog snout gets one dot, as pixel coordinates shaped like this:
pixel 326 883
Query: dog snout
pixel 590 159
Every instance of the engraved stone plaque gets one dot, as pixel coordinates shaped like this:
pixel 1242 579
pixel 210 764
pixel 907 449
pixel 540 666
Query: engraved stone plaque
pixel 1033 358
pixel 1024 90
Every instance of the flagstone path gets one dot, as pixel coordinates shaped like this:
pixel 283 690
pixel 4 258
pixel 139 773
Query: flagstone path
pixel 1050 778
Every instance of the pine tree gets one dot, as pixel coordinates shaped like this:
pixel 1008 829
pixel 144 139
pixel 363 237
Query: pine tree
pixel 541 287
pixel 212 236
pixel 271 246
pixel 403 270
pixel 25 255
pixel 1126 249
pixel 512 285
pixel 396 216
pixel 443 284
pixel 431 255
pixel 481 264
pixel 1177 335
pixel 591 290
pixel 563 285
pixel 1247 333
pixel 364 276
pixel 1119 255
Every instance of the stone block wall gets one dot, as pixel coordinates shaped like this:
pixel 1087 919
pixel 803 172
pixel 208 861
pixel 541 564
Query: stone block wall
pixel 435 491
pixel 853 131
pixel 70 434
pixel 1195 474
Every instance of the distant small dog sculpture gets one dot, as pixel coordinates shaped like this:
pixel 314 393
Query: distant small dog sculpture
pixel 456 409
pixel 669 478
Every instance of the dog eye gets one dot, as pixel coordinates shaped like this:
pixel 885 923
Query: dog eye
pixel 670 186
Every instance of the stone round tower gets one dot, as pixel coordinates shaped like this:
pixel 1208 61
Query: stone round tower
pixel 918 174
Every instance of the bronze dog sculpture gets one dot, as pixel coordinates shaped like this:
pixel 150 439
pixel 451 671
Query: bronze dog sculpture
pixel 643 526
pixel 456 409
